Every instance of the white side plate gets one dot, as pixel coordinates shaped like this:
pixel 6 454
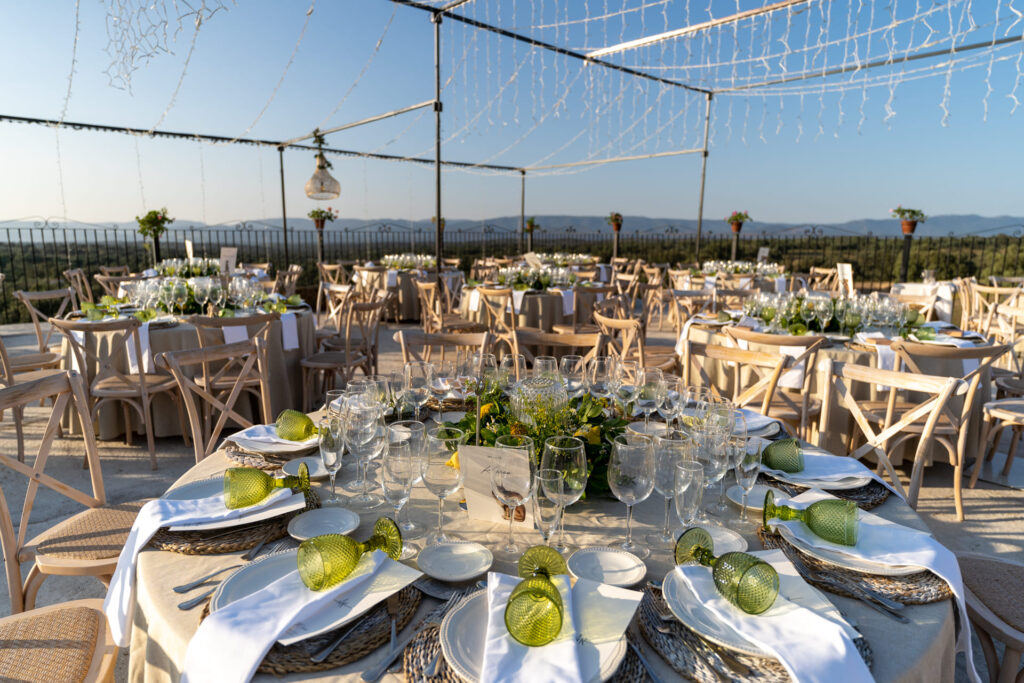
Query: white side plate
pixel 607 565
pixel 322 521
pixel 314 463
pixel 455 560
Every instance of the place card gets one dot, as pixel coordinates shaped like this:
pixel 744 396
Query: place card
pixel 228 259
pixel 189 250
pixel 476 463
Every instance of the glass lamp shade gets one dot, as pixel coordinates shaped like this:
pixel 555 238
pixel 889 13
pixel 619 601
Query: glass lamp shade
pixel 322 185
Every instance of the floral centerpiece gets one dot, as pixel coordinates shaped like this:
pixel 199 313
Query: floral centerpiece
pixel 408 261
pixel 909 218
pixel 768 270
pixel 193 267
pixel 585 417
pixel 153 225
pixel 534 278
pixel 563 259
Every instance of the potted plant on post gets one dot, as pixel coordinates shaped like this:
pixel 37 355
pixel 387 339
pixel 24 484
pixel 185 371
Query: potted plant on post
pixel 615 220
pixel 152 225
pixel 321 217
pixel 736 219
pixel 531 225
pixel 909 218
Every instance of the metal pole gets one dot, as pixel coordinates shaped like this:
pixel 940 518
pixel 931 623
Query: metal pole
pixel 439 228
pixel 905 264
pixel 284 209
pixel 703 172
pixel 522 208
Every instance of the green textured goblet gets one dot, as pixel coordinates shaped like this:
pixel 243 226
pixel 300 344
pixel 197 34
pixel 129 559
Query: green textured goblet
pixel 784 455
pixel 744 580
pixel 326 561
pixel 245 486
pixel 833 520
pixel 534 612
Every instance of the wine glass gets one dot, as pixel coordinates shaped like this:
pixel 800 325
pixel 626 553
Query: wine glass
pixel 331 447
pixel 573 376
pixel 441 476
pixel 400 471
pixel 670 449
pixel 625 382
pixel 415 434
pixel 442 378
pixel 365 436
pixel 631 479
pixel 545 365
pixel 513 369
pixel 651 393
pixel 823 311
pixel 599 376
pixel 511 484
pixel 568 455
pixel 689 490
pixel 417 384
pixel 547 511
pixel 747 470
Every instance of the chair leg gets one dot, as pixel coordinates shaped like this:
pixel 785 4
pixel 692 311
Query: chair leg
pixel 1011 663
pixel 19 429
pixel 1012 453
pixel 147 415
pixel 305 390
pixel 958 498
pixel 33 582
pixel 181 419
pixel 127 424
pixel 987 434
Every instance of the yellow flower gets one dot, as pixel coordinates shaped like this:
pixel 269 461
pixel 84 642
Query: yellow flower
pixel 485 409
pixel 454 461
pixel 592 435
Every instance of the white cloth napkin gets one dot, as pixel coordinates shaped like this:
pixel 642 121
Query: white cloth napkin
pixel 119 604
pixel 79 336
pixel 709 281
pixel 794 377
pixel 810 646
pixel 289 332
pixel 248 627
pixel 780 284
pixel 758 424
pixel 568 302
pixel 885 542
pixel 604 272
pixel 392 278
pixel 268 434
pixel 474 300
pixel 821 468
pixel 684 335
pixel 745 282
pixel 235 333
pixel 147 353
pixel 886 356
pixel 969 364
pixel 150 272
pixel 517 300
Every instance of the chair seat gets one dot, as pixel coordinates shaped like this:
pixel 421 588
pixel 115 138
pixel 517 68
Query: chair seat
pixel 451 322
pixel 781 410
pixel 874 411
pixel 228 381
pixel 588 328
pixel 34 360
pixel 32 375
pixel 1012 385
pixel 95 534
pixel 116 386
pixel 997 584
pixel 1006 409
pixel 54 644
pixel 326 360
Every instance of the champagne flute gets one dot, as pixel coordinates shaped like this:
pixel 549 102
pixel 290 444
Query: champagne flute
pixel 415 433
pixel 441 476
pixel 670 449
pixel 689 489
pixel 512 482
pixel 547 512
pixel 631 479
pixel 573 376
pixel 331 447
pixel 398 474
pixel 568 455
pixel 746 476
pixel 417 384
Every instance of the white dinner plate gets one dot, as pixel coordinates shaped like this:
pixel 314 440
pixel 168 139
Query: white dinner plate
pixel 853 482
pixel 712 321
pixel 464 631
pixel 726 540
pixel 269 443
pixel 313 462
pixel 755 499
pixel 607 565
pixel 322 521
pixel 845 561
pixel 454 560
pixel 194 490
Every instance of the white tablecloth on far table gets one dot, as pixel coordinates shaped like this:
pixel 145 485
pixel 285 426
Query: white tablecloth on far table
pixel 945 291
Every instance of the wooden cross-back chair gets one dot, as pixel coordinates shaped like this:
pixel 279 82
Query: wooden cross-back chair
pixel 626 341
pixel 588 345
pixel 755 374
pixel 823 279
pixel 89 542
pixel 433 314
pixel 239 363
pixel 12 375
pixel 483 270
pixel 110 284
pixel 841 379
pixel 251 268
pixel 586 274
pixel 583 301
pixel 963 289
pixel 115 270
pixel 79 282
pixel 286 281
pixel 112 385
pixel 419 346
pixel 992 590
pixel 985 300
pixel 498 314
pixel 730 298
pixel 924 304
pixel 330 273
pixel 337 298
pixel 368 279
pixel 452 282
pixel 452 263
pixel 954 427
pixel 737 281
pixel 686 303
pixel 62 301
pixel 1007 327
pixel 794 406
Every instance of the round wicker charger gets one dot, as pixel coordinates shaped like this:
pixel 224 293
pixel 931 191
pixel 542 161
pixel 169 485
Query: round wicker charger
pixel 218 541
pixel 919 588
pixel 867 497
pixel 687 653
pixel 269 462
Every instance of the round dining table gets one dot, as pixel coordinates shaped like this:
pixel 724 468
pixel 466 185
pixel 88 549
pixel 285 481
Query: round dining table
pixel 921 651
pixel 540 310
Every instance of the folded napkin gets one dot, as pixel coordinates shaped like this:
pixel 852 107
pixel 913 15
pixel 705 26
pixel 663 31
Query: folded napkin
pixel 289 332
pixel 235 333
pixel 517 300
pixel 885 542
pixel 821 467
pixel 474 300
pixel 709 281
pixel 268 434
pixel 568 302
pixel 794 377
pixel 969 364
pixel 248 627
pixel 147 354
pixel 886 356
pixel 79 337
pixel 780 284
pixel 392 278
pixel 150 272
pixel 604 272
pixel 119 604
pixel 684 336
pixel 810 646
pixel 758 424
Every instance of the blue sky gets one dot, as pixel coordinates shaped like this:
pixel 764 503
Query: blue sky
pixel 968 166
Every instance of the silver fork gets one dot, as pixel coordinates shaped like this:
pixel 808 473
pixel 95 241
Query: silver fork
pixel 199 599
pixel 186 587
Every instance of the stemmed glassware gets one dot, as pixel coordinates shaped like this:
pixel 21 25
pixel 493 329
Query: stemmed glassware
pixel 365 437
pixel 600 376
pixel 245 486
pixel 631 479
pixel 441 476
pixel 573 375
pixel 625 382
pixel 415 434
pixel 545 366
pixel 442 379
pixel 325 561
pixel 567 455
pixel 747 470
pixel 744 580
pixel 416 386
pixel 331 447
pixel 400 470
pixel 670 449
pixel 807 312
pixel 834 520
pixel 547 510
pixel 180 294
pixel 823 311
pixel 718 429
pixel 513 369
pixel 534 612
pixel 651 393
pixel 513 481
pixel 689 490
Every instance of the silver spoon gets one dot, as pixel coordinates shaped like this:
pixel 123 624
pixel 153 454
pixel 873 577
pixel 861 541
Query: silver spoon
pixel 199 599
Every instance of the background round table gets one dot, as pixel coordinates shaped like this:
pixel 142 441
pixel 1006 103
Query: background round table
pixel 539 309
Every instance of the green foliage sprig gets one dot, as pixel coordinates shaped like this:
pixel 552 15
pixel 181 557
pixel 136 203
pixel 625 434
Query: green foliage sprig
pixel 908 214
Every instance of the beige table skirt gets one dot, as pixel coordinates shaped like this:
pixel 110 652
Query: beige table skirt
pixel 542 311
pixel 922 651
pixel 285 374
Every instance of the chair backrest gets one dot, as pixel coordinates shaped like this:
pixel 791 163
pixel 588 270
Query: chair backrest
pixel 965 296
pixel 430 305
pixel 368 279
pixel 286 281
pixel 690 302
pixel 755 374
pixel 210 329
pixel 496 314
pixel 453 262
pixel 337 298
pixel 362 325
pixel 335 273
pixel 241 361
pixel 625 337
pixel 78 280
pixel 823 279
pixel 111 283
pixel 731 298
pixel 253 267
pixel 60 301
pixel 125 340
pixel 841 379
pixel 418 346
pixel 986 301
pixel 61 388
pixel 115 270
pixel 922 303
pixel 593 343
pixel 483 270
pixel 452 282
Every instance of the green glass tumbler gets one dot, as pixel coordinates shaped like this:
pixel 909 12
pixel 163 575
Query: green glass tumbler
pixel 327 560
pixel 534 612
pixel 784 455
pixel 744 580
pixel 245 486
pixel 834 520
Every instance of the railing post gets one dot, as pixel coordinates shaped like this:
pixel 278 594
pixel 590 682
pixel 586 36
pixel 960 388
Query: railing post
pixel 905 265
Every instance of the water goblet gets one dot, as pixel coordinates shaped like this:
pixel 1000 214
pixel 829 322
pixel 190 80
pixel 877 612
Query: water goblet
pixel 631 479
pixel 670 449
pixel 599 376
pixel 326 561
pixel 513 486
pixel 627 375
pixel 441 475
pixel 784 455
pixel 545 366
pixel 442 379
pixel 744 580
pixel 547 511
pixel 534 612
pixel 834 520
pixel 416 385
pixel 513 369
pixel 651 393
pixel 245 486
pixel 568 455
pixel 573 375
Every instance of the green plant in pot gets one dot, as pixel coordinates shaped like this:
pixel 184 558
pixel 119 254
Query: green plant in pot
pixel 153 225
